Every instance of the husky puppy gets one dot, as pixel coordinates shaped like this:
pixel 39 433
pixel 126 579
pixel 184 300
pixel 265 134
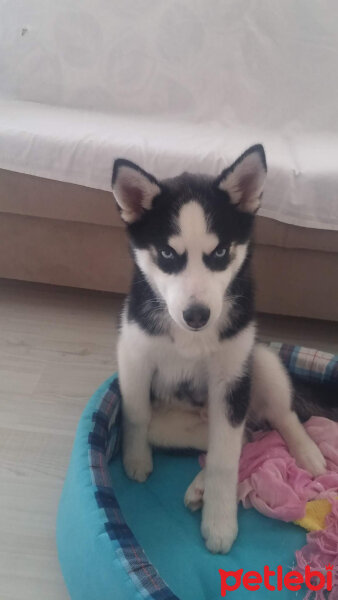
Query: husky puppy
pixel 188 330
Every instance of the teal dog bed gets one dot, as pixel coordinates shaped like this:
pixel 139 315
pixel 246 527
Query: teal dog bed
pixel 121 540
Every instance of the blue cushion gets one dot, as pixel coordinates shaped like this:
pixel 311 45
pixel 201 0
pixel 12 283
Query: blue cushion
pixel 118 539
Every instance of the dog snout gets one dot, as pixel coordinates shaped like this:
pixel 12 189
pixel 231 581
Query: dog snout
pixel 196 316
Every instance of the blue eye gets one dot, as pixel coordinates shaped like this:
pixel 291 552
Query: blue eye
pixel 167 253
pixel 219 258
pixel 169 261
pixel 221 251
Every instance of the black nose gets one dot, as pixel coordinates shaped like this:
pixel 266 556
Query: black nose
pixel 196 316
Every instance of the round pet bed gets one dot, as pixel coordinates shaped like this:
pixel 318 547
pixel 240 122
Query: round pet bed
pixel 118 539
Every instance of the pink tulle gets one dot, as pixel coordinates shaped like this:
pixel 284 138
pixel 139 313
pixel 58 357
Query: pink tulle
pixel 271 481
pixel 322 550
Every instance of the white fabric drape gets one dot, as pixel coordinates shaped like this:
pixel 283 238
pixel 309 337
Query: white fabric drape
pixel 175 85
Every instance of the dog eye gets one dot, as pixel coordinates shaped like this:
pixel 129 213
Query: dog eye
pixel 221 251
pixel 168 253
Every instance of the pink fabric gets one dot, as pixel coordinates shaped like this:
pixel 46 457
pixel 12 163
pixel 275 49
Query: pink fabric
pixel 270 480
pixel 322 550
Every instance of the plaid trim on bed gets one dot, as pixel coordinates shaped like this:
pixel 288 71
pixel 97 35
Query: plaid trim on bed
pixel 307 363
pixel 104 442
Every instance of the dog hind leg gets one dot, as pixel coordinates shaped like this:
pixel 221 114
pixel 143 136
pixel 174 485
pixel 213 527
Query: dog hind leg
pixel 271 400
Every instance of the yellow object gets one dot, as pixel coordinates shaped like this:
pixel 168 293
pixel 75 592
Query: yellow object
pixel 316 512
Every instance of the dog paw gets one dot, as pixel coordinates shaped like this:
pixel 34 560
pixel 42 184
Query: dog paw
pixel 193 498
pixel 309 457
pixel 139 466
pixel 219 533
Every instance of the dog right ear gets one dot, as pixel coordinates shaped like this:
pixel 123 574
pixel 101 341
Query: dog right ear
pixel 243 181
pixel 134 189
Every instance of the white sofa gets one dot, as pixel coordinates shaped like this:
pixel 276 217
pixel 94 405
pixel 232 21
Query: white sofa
pixel 173 86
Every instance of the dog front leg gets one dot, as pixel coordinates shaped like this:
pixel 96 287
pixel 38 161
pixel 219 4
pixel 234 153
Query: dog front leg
pixel 135 381
pixel 227 409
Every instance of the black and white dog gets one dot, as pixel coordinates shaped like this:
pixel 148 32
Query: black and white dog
pixel 188 333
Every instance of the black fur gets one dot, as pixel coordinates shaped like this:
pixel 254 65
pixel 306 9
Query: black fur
pixel 241 293
pixel 157 225
pixel 145 307
pixel 232 226
pixel 187 391
pixel 257 148
pixel 315 399
pixel 217 263
pixel 237 400
pixel 171 265
pixel 123 162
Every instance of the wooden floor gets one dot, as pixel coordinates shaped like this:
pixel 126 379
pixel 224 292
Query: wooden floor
pixel 56 346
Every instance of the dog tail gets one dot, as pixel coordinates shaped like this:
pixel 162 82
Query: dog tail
pixel 315 399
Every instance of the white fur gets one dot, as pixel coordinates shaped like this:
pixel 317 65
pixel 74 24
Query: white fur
pixel 270 401
pixel 196 283
pixel 199 356
pixel 164 361
pixel 206 360
pixel 178 427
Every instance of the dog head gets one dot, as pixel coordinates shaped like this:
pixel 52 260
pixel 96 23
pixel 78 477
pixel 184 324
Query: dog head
pixel 190 234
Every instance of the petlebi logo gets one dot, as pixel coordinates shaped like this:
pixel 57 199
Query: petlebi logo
pixel 276 579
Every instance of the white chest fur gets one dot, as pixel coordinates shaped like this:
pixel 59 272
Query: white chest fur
pixel 186 356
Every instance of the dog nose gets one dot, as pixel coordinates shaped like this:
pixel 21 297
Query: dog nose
pixel 196 316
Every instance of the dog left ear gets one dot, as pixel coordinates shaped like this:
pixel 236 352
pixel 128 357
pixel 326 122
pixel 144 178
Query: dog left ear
pixel 244 180
pixel 134 189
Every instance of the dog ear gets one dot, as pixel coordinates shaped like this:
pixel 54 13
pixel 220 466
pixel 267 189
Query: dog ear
pixel 244 180
pixel 134 189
